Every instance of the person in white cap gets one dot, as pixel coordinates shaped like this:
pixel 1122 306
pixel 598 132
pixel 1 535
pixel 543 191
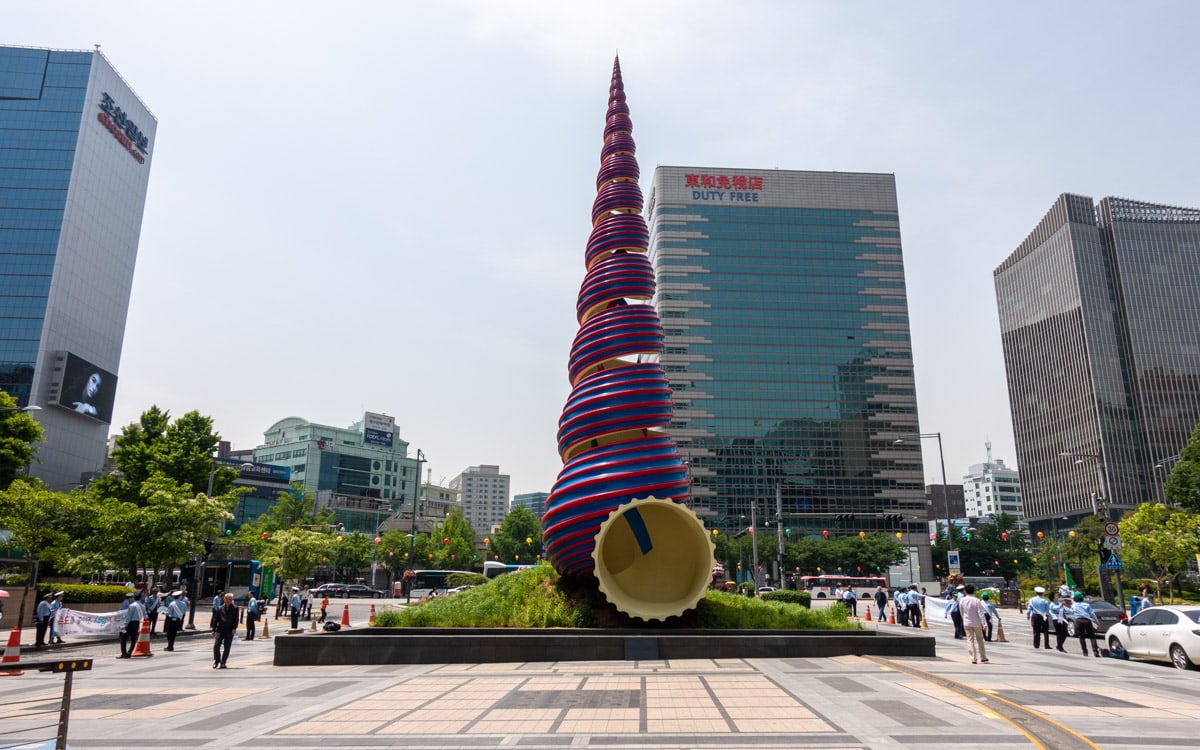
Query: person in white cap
pixel 1038 613
pixel 43 619
pixel 55 606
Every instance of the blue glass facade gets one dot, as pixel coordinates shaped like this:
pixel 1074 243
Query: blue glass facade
pixel 783 302
pixel 75 152
pixel 42 95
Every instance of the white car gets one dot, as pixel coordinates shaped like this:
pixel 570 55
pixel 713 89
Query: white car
pixel 1160 634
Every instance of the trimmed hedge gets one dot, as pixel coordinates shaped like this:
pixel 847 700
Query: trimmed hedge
pixel 82 593
pixel 803 598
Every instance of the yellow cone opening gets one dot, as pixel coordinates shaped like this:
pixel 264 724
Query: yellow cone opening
pixel 654 559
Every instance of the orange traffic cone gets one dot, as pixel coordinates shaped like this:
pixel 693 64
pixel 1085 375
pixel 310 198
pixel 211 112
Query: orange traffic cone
pixel 371 621
pixel 1000 632
pixel 12 654
pixel 868 617
pixel 346 617
pixel 142 647
pixel 266 631
pixel 312 626
pixel 924 621
pixel 892 615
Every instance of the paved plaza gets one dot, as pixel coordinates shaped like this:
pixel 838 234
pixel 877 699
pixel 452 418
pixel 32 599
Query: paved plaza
pixel 1020 699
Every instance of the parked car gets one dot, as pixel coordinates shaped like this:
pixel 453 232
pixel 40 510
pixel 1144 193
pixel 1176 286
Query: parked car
pixel 332 590
pixel 363 590
pixel 1162 633
pixel 1109 614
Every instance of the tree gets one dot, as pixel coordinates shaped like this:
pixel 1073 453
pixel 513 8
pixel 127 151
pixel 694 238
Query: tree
pixel 295 553
pixel 18 434
pixel 1165 538
pixel 1183 483
pixel 39 522
pixel 509 542
pixel 161 468
pixel 294 508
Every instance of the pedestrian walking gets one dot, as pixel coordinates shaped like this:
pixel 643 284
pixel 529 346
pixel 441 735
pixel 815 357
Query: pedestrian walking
pixel 218 599
pixel 176 610
pixel 1038 614
pixel 295 604
pixel 134 615
pixel 972 619
pixel 251 616
pixel 914 606
pixel 224 624
pixel 1085 624
pixel 42 620
pixel 324 607
pixel 306 603
pixel 881 600
pixel 1060 609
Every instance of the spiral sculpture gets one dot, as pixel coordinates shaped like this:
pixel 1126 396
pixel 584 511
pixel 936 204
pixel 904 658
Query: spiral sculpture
pixel 613 512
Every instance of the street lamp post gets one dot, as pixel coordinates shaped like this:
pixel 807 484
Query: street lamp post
pixel 1165 464
pixel 31 407
pixel 945 487
pixel 412 545
pixel 1100 506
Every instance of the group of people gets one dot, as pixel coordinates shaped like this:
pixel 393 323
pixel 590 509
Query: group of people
pixel 45 618
pixel 1055 609
pixel 148 606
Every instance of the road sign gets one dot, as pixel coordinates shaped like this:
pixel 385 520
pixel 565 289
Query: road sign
pixel 1113 563
pixel 953 560
pixel 1111 529
pixel 1113 543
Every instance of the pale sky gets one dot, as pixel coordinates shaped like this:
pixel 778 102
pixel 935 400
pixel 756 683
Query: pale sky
pixel 383 206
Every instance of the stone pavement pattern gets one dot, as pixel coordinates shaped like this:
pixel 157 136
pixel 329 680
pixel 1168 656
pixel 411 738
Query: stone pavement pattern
pixel 175 700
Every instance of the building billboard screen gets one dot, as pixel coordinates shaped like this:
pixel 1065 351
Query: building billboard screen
pixel 87 389
pixel 378 429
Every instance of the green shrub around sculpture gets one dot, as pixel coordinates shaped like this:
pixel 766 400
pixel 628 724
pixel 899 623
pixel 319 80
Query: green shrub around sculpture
pixel 538 598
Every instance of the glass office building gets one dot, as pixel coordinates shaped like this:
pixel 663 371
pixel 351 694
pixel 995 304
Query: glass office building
pixel 1099 314
pixel 783 302
pixel 75 150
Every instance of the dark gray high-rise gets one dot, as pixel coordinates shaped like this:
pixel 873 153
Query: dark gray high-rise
pixel 1099 314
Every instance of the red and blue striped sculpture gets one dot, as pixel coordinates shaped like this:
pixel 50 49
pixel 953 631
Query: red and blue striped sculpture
pixel 618 467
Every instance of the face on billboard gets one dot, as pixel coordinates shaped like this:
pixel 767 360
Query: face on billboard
pixel 87 389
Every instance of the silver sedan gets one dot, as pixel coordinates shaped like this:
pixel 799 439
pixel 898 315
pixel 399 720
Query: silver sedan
pixel 1163 633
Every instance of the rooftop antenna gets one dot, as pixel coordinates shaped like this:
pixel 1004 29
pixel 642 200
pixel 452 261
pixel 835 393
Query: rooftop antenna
pixel 97 46
pixel 988 443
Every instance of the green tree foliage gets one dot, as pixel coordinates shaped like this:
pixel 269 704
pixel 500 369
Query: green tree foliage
pixel 1183 483
pixel 295 553
pixel 39 522
pixel 1164 537
pixel 351 553
pixel 162 470
pixel 993 549
pixel 393 554
pixel 293 509
pixel 448 546
pixel 19 433
pixel 519 538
